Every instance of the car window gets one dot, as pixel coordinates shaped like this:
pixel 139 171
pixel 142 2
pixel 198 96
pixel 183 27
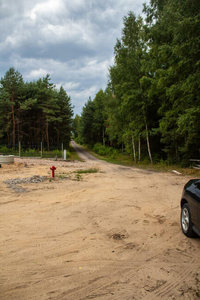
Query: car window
pixel 197 184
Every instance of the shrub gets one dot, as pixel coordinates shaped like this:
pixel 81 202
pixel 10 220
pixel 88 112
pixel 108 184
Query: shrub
pixel 105 151
pixel 68 154
pixel 5 150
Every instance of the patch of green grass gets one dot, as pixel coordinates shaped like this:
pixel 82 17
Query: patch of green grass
pixel 73 154
pixel 77 174
pixel 78 177
pixel 62 176
pixel 87 171
pixel 125 160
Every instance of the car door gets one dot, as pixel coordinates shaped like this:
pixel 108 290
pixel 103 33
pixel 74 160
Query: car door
pixel 192 195
pixel 198 216
pixel 198 207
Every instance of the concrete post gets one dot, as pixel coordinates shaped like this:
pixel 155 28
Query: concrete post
pixel 65 154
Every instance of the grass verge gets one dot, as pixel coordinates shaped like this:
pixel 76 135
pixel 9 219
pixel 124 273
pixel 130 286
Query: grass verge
pixel 73 154
pixel 125 160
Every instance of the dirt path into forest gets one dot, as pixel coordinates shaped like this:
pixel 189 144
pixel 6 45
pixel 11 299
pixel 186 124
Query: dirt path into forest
pixel 114 234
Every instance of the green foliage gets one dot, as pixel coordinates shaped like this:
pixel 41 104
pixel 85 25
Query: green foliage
pixel 4 150
pixel 11 94
pixel 33 112
pixel 173 30
pixel 151 106
pixel 37 152
pixel 105 151
pixel 86 125
pixel 30 152
pixel 75 126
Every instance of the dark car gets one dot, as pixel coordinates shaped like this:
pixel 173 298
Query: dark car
pixel 190 208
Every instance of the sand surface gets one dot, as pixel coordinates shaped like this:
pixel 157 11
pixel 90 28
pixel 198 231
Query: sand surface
pixel 114 234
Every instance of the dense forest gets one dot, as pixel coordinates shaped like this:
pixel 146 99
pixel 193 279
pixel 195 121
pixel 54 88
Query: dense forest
pixel 33 112
pixel 151 106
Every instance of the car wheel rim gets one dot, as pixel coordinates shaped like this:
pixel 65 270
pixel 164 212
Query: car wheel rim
pixel 185 220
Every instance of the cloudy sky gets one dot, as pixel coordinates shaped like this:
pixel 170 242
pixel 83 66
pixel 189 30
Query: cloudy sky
pixel 72 40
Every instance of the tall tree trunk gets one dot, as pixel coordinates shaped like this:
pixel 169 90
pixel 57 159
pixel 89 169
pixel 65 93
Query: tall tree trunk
pixel 134 152
pixel 18 129
pixel 13 118
pixel 47 134
pixel 103 137
pixel 148 144
pixel 58 130
pixel 139 149
pixel 58 133
pixel 8 136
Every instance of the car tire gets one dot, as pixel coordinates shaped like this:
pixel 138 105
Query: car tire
pixel 186 223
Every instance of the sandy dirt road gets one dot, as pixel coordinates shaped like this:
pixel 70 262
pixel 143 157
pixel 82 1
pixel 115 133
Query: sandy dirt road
pixel 114 234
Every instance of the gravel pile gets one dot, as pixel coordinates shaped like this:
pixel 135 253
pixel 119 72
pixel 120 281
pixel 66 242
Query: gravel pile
pixel 14 183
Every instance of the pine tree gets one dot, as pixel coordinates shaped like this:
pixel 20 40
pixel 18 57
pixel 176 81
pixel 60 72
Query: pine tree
pixel 11 94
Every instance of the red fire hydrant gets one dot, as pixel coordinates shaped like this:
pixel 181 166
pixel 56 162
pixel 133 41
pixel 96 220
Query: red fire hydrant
pixel 53 169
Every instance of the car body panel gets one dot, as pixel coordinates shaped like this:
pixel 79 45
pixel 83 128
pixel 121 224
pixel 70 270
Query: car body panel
pixel 198 217
pixel 191 195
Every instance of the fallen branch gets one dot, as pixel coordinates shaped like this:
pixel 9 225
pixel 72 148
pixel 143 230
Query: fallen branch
pixel 176 172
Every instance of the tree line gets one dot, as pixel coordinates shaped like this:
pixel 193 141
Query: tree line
pixel 33 112
pixel 151 105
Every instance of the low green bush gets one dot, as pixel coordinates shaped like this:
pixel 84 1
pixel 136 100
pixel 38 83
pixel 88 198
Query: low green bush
pixel 105 151
pixel 30 152
pixel 68 154
pixel 5 150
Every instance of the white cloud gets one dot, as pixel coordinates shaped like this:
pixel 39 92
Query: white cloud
pixel 95 69
pixel 82 96
pixel 73 41
pixel 76 4
pixel 68 32
pixel 85 94
pixel 46 8
pixel 69 86
pixel 39 73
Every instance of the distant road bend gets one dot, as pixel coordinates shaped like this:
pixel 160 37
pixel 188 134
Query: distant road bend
pixel 83 154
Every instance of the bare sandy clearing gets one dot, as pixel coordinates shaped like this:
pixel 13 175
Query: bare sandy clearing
pixel 114 234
